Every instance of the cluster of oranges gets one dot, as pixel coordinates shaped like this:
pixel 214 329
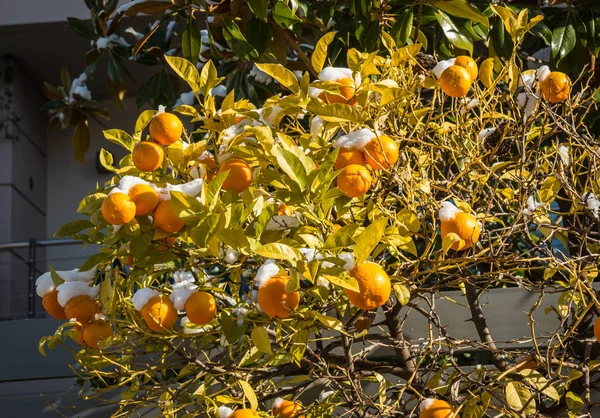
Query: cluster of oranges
pixel 281 409
pixel 380 152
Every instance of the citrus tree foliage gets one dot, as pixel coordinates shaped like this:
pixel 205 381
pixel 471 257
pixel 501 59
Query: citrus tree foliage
pixel 236 34
pixel 531 182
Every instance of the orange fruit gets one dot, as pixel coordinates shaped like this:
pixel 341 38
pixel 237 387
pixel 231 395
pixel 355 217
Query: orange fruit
pixel 468 64
pixel 82 308
pixel 51 305
pixel 79 330
pixel 147 156
pixel 211 169
pixel 381 152
pixel 283 209
pixel 169 241
pixel 244 413
pixel 166 219
pixel 465 226
pixel 96 331
pixel 118 209
pixel 597 329
pixel 287 409
pixel 201 308
pixel 455 81
pixel 346 92
pixel 556 87
pixel 159 313
pixel 435 408
pixel 145 199
pixel 347 156
pixel 374 286
pixel 274 300
pixel 239 177
pixel 166 128
pixel 354 181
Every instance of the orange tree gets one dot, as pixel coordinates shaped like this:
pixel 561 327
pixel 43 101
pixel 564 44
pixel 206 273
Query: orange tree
pixel 268 264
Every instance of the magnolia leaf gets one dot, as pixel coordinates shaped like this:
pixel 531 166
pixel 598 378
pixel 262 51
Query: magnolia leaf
pixel 284 76
pixel 261 340
pixel 81 140
pixel 320 53
pixel 453 33
pixel 369 239
pixel 191 42
pixel 461 8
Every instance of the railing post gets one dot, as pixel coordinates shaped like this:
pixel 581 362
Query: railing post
pixel 31 261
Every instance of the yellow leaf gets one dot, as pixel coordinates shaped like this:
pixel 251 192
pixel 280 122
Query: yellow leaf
pixel 508 17
pixel 517 395
pixel 284 76
pixel 320 53
pixel 249 394
pixel 344 280
pixel 261 340
pixel 449 240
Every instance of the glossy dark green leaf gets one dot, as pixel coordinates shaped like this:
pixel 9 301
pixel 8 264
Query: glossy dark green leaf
pixel 237 41
pixel 592 24
pixel 564 37
pixel 72 228
pixel 461 8
pixel 83 28
pixel 191 41
pixel 259 8
pixel 115 70
pixel 453 33
pixel 500 40
pixel 81 140
pixel 542 31
pixel 403 27
pixel 284 15
pixel 259 35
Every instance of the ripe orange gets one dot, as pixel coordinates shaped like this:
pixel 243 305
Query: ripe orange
pixel 239 177
pixel 118 209
pixel 354 181
pixel 145 199
pixel 159 313
pixel 347 156
pixel 274 300
pixel 166 219
pixel 166 128
pixel 556 87
pixel 201 308
pixel 147 156
pixel 79 330
pixel 374 286
pixel 381 152
pixel 82 308
pixel 465 226
pixel 597 329
pixel 455 81
pixel 51 305
pixel 346 92
pixel 435 408
pixel 283 209
pixel 468 64
pixel 244 413
pixel 287 409
pixel 169 241
pixel 96 331
pixel 210 165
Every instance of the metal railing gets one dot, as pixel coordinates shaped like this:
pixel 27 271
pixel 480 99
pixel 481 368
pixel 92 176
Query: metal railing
pixel 32 245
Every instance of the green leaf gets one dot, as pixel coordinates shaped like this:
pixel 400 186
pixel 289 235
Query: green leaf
pixel 284 76
pixel 337 240
pixel 214 187
pixel 237 41
pixel 186 70
pixel 541 30
pixel 81 140
pixel 94 260
pixel 343 280
pixel 501 40
pixel 144 120
pixel 249 394
pixel 330 322
pixel 261 340
pixel 115 69
pixel 564 37
pixel 107 295
pixel 284 15
pixel 191 42
pixel 402 294
pixel 91 203
pixel 334 112
pixel 461 8
pixel 453 33
pixel 208 78
pixel 403 27
pixel 259 8
pixel 106 159
pixel 291 165
pixel 279 251
pixel 299 345
pixel 82 28
pixel 56 279
pixel 516 397
pixel 369 239
pixel 72 228
pixel 320 53
pixel 184 205
pixel 119 137
pixel 535 379
pixel 592 25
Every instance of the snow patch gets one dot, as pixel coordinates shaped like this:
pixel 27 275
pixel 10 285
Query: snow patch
pixel 448 211
pixel 70 290
pixel 355 140
pixel 441 66
pixel 180 296
pixel 265 272
pixel 142 296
